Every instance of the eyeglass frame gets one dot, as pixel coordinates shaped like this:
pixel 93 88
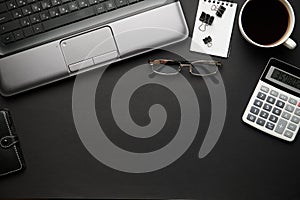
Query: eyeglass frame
pixel 182 64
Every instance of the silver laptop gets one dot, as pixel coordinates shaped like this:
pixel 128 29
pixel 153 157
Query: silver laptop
pixel 42 41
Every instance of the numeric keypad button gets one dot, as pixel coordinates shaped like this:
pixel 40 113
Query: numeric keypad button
pixel 289 108
pixel 271 100
pixel 280 104
pixel 264 89
pixel 288 134
pixel 274 93
pixel 281 126
pixel 276 111
pixel 251 118
pixel 292 127
pixel 267 107
pixel 260 122
pixel 283 97
pixel 297 112
pixel 293 101
pixel 273 118
pixel 295 119
pixel 286 115
pixel 254 110
pixel 261 96
pixel 264 114
pixel 258 103
pixel 270 126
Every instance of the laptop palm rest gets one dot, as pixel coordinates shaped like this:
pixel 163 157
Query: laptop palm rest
pixel 88 49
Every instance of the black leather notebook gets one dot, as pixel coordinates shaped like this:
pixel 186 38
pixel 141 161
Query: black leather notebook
pixel 11 158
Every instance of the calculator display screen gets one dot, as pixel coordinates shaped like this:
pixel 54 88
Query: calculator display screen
pixel 284 79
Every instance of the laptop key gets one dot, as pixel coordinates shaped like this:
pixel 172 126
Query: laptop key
pixel 37 28
pixel 54 12
pixel 55 2
pixel 67 19
pixel 21 3
pixel 45 15
pixel 65 1
pixel 7 38
pixel 2 7
pixel 28 31
pixel 73 6
pixel 10 26
pixel 82 3
pixel 36 7
pixel 18 35
pixel 46 4
pixel 110 5
pixel 5 17
pixel 11 4
pixel 100 8
pixel 25 21
pixel 132 1
pixel 26 10
pixel 31 1
pixel 121 3
pixel 93 2
pixel 64 9
pixel 17 13
pixel 35 18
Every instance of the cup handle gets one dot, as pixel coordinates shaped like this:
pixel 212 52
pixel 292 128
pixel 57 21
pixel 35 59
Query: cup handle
pixel 291 44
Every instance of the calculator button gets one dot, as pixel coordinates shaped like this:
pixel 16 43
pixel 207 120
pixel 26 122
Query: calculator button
pixel 292 127
pixel 281 126
pixel 264 89
pixel 289 108
pixel 264 114
pixel 297 112
pixel 288 134
pixel 273 118
pixel 261 96
pixel 286 115
pixel 274 93
pixel 293 101
pixel 260 122
pixel 295 119
pixel 283 97
pixel 276 111
pixel 267 107
pixel 280 104
pixel 258 103
pixel 254 110
pixel 271 100
pixel 270 126
pixel 251 118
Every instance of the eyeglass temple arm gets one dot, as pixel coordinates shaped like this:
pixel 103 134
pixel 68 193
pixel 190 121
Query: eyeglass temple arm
pixel 162 61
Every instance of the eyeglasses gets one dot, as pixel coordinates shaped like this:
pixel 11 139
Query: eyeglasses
pixel 196 68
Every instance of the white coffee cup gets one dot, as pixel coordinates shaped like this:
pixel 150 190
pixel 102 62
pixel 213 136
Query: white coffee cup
pixel 285 39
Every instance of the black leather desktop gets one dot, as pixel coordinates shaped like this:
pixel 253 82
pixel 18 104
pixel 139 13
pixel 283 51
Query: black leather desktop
pixel 244 164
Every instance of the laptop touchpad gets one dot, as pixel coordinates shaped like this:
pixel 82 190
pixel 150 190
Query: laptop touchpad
pixel 89 49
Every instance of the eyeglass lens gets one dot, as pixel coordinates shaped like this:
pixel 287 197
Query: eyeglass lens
pixel 169 68
pixel 203 69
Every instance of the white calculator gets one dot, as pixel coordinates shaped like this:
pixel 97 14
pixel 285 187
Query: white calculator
pixel 274 107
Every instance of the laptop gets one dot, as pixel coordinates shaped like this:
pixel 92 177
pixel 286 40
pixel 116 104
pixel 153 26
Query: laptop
pixel 42 41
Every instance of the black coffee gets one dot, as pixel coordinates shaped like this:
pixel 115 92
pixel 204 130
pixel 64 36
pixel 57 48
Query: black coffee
pixel 265 21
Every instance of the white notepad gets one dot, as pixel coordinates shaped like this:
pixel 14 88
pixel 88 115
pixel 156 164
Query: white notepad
pixel 220 31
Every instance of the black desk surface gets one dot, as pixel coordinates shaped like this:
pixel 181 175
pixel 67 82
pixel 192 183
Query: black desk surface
pixel 244 164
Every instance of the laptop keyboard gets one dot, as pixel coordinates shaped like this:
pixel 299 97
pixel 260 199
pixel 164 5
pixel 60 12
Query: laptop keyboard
pixel 20 19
